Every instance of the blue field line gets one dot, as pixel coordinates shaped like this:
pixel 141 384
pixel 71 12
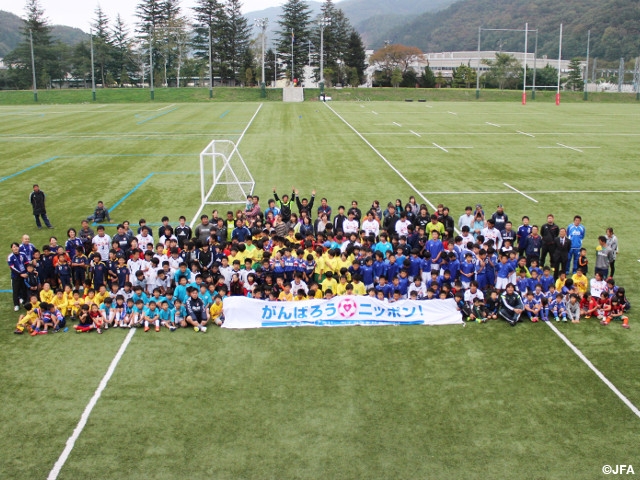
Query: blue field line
pixel 6 291
pixel 156 116
pixel 131 155
pixel 224 114
pixel 27 169
pixel 142 182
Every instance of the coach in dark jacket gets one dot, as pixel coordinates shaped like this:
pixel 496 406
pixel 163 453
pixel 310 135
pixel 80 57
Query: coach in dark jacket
pixel 561 253
pixel 37 199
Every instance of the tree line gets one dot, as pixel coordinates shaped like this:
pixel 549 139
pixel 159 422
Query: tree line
pixel 179 44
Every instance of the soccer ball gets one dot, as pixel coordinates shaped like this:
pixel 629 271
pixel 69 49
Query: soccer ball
pixel 347 308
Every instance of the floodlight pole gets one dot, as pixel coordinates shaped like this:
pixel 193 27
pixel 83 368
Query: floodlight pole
pixel 262 23
pixel 535 57
pixel 324 23
pixel 478 69
pixel 292 60
pixel 586 71
pixel 210 66
pixel 33 68
pixel 559 66
pixel 151 91
pixel 524 78
pixel 93 71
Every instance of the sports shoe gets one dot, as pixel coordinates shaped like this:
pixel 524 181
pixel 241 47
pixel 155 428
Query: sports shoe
pixel 625 325
pixel 106 326
pixel 534 319
pixel 17 331
pixel 43 332
pixel 35 332
pixel 99 330
pixel 602 322
pixel 157 329
pixel 564 319
pixel 556 319
pixel 196 329
pixel 203 329
pixel 16 308
pixel 146 328
pixel 50 226
pixel 172 328
pixel 115 325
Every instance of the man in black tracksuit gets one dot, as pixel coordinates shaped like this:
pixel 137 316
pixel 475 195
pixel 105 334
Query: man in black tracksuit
pixel 511 306
pixel 37 200
pixel 549 232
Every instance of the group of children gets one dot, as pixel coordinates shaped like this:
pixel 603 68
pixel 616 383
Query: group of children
pixel 181 280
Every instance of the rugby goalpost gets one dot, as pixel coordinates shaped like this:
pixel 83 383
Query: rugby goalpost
pixel 224 176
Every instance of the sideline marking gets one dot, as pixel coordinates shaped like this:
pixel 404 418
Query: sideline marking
pixel 521 193
pixel 600 375
pixel 195 217
pixel 2 179
pixel 527 134
pixel 153 117
pixel 375 113
pixel 441 148
pixel 396 123
pixel 416 134
pixel 426 200
pixel 452 113
pixel 492 124
pixel 570 148
pixel 55 471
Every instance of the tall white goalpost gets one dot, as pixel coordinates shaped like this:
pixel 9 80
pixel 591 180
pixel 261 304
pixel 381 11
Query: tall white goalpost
pixel 224 176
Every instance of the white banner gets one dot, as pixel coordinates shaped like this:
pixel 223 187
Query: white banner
pixel 242 312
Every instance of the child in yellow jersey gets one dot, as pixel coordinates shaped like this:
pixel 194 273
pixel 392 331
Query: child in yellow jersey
pixel 75 305
pixel 329 283
pixel 285 294
pixel 314 291
pixel 331 262
pixel 300 295
pixel 358 287
pixel 216 311
pixel 343 262
pixel 33 300
pixel 25 321
pixel 341 289
pixel 68 293
pixel 90 297
pixel 580 281
pixel 101 295
pixel 60 301
pixel 46 294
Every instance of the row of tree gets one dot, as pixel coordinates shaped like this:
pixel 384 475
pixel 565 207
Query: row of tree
pixel 179 47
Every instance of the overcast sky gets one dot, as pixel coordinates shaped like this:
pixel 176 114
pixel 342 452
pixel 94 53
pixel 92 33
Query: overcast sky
pixel 80 13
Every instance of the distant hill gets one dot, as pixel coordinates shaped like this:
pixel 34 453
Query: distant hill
pixel 369 17
pixel 11 34
pixel 614 25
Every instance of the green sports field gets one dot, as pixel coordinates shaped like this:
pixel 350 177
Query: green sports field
pixel 483 401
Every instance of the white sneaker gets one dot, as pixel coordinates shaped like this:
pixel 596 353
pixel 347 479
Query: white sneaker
pixel 16 308
pixel 203 329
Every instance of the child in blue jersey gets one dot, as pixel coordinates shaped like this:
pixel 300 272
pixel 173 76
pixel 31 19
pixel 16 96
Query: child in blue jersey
pixel 107 309
pixel 467 271
pixel 205 296
pixel 392 267
pixel 546 280
pixel 366 271
pixel 379 267
pixel 118 313
pixel 436 249
pixel 558 308
pixel 151 316
pixel 544 309
pixel 290 265
pixel 167 316
pixel 481 270
pixel 522 284
pixel 383 288
pixel 534 280
pixel 531 307
pixel 403 283
pixel 504 269
pixel 136 317
pixel 179 312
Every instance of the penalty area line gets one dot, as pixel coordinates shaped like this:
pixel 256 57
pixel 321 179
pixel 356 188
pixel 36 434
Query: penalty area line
pixel 521 193
pixel 55 471
pixel 426 200
pixel 599 374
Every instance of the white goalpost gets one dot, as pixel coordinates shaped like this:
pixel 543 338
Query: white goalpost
pixel 224 176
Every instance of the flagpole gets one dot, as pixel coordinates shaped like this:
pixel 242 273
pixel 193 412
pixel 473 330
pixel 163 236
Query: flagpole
pixel 292 40
pixel 559 65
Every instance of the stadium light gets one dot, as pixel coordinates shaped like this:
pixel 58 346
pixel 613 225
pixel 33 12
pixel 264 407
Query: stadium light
pixel 262 23
pixel 93 70
pixel 323 23
pixel 33 68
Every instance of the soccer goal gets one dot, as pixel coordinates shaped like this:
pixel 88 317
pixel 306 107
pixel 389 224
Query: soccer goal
pixel 224 176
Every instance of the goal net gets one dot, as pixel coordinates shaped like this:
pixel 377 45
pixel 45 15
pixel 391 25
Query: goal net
pixel 224 176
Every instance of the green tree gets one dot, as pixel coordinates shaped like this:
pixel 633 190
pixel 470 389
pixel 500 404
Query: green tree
pixel 356 57
pixel 463 77
pixel 396 77
pixel 235 40
pixel 102 48
pixel 210 17
pixel 294 26
pixel 19 60
pixel 574 79
pixel 152 17
pixel 122 64
pixel 504 71
pixel 428 78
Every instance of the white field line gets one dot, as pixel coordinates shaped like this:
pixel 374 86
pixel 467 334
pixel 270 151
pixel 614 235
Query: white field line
pixel 195 217
pixel 527 134
pixel 397 124
pixel 416 134
pixel 55 471
pixel 452 113
pixel 389 164
pixel 521 193
pixel 538 192
pixel 599 374
pixel 446 149
pixel 441 148
pixel 493 124
pixel 375 113
pixel 168 106
pixel 428 106
pixel 570 148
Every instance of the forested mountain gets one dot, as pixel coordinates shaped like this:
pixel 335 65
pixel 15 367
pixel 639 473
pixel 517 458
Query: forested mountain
pixel 11 35
pixel 614 25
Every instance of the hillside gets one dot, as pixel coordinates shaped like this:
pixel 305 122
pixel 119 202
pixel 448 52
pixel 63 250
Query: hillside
pixel 614 25
pixel 11 33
